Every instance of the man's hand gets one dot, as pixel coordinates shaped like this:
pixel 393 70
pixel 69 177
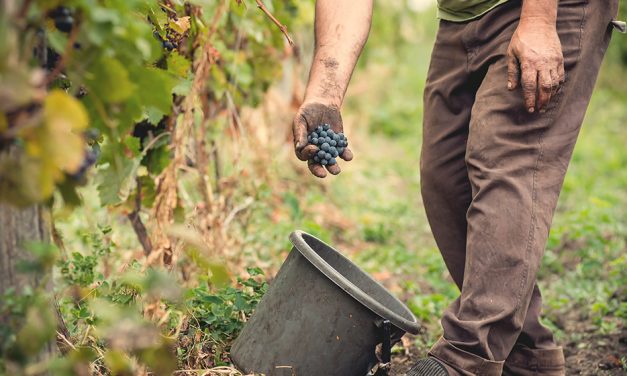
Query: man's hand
pixel 309 117
pixel 342 28
pixel 535 60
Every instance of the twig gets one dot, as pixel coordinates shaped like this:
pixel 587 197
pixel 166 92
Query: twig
pixel 281 27
pixel 24 9
pixel 63 343
pixel 66 52
pixel 138 225
pixel 216 18
pixel 247 202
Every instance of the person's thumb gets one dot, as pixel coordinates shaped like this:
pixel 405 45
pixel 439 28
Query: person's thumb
pixel 299 130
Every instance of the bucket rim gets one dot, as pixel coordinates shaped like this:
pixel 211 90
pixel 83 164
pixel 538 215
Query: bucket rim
pixel 297 239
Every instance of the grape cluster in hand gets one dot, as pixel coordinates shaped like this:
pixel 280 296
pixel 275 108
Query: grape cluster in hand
pixel 329 143
pixel 63 19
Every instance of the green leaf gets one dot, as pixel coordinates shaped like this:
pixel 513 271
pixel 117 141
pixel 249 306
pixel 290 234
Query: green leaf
pixel 39 328
pixel 183 87
pixel 110 81
pixel 117 180
pixel 178 64
pixel 154 115
pixel 155 88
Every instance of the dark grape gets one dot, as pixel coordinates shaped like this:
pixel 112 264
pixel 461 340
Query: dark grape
pixel 52 59
pixel 330 144
pixel 90 159
pixel 64 23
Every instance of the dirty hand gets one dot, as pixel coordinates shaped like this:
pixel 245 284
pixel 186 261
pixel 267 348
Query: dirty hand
pixel 535 62
pixel 309 116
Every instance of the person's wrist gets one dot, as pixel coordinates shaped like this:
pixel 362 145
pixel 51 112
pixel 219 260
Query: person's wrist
pixel 324 100
pixel 544 21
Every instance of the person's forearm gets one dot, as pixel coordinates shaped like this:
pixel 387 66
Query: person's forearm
pixel 544 11
pixel 342 28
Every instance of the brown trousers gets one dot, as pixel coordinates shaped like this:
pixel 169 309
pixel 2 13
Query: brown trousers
pixel 491 174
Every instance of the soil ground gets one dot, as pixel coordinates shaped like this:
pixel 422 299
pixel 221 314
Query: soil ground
pixel 593 355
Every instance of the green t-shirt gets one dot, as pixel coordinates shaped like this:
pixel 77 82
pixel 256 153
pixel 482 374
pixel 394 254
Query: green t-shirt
pixel 464 10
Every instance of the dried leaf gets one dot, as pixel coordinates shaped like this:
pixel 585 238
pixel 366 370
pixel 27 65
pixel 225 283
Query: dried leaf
pixel 180 25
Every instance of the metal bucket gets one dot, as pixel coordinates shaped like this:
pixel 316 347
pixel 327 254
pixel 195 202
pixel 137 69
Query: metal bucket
pixel 321 316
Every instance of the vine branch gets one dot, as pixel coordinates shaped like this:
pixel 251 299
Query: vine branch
pixel 62 60
pixel 137 224
pixel 281 27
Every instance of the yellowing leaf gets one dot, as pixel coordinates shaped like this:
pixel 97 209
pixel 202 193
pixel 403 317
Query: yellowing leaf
pixel 4 124
pixel 181 25
pixel 56 146
pixel 63 111
pixel 65 117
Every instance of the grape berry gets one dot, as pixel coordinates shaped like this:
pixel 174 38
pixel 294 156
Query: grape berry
pixel 63 19
pixel 91 157
pixel 330 144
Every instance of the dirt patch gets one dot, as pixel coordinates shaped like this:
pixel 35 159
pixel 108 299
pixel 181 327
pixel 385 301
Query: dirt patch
pixel 597 355
pixel 592 355
pixel 401 363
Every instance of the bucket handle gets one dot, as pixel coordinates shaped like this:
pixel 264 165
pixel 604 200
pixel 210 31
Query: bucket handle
pixel 386 348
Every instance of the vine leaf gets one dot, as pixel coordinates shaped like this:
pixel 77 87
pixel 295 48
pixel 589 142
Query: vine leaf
pixel 117 180
pixel 56 146
pixel 156 88
pixel 110 81
pixel 178 65
pixel 181 25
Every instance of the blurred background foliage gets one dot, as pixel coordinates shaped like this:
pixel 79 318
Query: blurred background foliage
pixel 123 313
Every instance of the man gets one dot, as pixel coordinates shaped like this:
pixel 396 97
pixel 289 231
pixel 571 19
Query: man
pixel 506 93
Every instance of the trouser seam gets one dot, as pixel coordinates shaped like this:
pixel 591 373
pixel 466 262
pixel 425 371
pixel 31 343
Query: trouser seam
pixel 551 118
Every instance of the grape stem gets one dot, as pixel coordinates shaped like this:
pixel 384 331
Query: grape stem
pixel 24 9
pixel 281 27
pixel 66 52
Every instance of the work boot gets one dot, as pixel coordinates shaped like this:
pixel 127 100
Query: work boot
pixel 427 367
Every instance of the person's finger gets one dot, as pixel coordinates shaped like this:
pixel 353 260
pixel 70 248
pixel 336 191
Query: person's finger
pixel 347 155
pixel 299 131
pixel 555 80
pixel 513 71
pixel 316 169
pixel 334 168
pixel 529 78
pixel 560 72
pixel 545 88
pixel 308 152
